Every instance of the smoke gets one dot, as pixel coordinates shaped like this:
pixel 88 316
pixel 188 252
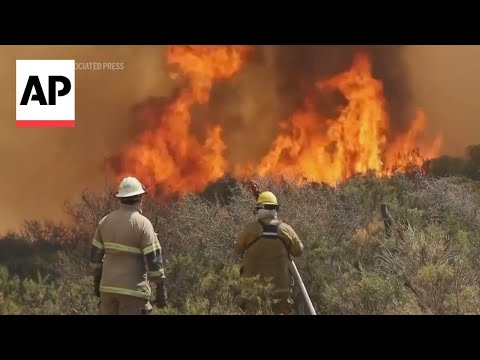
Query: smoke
pixel 43 168
pixel 445 81
pixel 274 85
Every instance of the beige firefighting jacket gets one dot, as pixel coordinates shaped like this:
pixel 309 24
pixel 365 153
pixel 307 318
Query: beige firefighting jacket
pixel 126 250
pixel 266 251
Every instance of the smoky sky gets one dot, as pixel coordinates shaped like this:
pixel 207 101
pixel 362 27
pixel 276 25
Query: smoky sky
pixel 445 81
pixel 298 66
pixel 274 85
pixel 43 168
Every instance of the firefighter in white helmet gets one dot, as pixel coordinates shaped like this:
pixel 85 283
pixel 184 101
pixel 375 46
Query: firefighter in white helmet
pixel 126 256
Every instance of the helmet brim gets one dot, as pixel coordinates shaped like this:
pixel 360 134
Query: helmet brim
pixel 130 194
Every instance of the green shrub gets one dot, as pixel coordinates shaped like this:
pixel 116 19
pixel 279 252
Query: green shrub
pixel 350 265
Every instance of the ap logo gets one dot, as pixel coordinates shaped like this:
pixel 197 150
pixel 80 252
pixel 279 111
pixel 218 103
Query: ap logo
pixel 45 93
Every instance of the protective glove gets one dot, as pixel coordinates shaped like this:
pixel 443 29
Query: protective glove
pixel 161 294
pixel 96 285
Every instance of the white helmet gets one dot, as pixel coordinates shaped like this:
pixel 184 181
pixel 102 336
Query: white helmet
pixel 130 186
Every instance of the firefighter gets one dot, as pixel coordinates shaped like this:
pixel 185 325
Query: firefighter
pixel 266 247
pixel 126 257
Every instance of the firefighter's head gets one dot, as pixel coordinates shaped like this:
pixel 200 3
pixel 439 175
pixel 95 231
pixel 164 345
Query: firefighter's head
pixel 268 201
pixel 130 191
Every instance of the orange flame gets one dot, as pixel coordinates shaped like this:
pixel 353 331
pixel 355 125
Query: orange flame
pixel 169 156
pixel 309 147
pixel 403 152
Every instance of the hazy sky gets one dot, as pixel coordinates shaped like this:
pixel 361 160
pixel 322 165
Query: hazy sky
pixel 41 168
pixel 445 80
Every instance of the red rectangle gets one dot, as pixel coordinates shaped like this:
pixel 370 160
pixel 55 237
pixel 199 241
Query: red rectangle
pixel 46 123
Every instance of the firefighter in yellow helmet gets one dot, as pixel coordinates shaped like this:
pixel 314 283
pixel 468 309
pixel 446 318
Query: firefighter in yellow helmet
pixel 126 256
pixel 266 246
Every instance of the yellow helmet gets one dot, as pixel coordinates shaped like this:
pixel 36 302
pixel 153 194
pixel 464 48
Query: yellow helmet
pixel 267 198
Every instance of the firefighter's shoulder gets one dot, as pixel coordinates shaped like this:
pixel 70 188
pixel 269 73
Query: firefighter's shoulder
pixel 110 215
pixel 286 229
pixel 142 220
pixel 103 219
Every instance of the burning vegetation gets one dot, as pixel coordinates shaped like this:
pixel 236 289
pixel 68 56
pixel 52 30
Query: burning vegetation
pixel 322 141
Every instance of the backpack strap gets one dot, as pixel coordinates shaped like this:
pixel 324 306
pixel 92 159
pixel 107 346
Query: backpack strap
pixel 270 231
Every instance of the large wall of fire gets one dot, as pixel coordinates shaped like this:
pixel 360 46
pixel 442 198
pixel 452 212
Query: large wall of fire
pixel 340 125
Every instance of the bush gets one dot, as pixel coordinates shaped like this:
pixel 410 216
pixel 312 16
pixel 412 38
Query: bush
pixel 350 265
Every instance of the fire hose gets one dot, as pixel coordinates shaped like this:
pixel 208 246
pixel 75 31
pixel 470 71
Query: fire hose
pixel 299 281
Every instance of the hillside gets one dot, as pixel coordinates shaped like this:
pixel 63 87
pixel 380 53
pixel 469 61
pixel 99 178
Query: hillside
pixel 350 265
